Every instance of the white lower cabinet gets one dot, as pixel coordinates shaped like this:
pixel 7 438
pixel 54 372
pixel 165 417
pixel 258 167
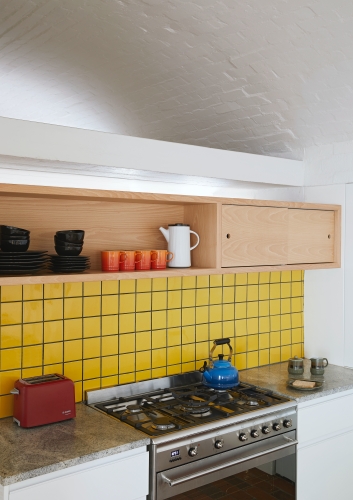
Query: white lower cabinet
pixel 325 449
pixel 118 477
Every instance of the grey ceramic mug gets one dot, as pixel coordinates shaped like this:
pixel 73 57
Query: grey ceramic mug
pixel 318 366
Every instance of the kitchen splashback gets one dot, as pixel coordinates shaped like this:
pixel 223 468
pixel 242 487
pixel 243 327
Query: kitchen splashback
pixel 114 332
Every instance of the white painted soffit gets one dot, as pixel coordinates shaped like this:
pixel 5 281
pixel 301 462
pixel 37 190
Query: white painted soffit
pixel 106 152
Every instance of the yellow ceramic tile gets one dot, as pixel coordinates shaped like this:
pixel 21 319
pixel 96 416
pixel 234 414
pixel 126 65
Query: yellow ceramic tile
pixel 174 336
pixel 228 294
pixel 264 340
pixel 159 338
pixel 32 333
pixel 253 342
pixel 10 336
pixel 11 313
pixel 241 279
pixel 252 359
pixel 126 363
pixel 110 345
pixel 202 332
pixel 264 292
pixel 297 335
pixel 110 304
pixel 91 385
pixel 241 327
pixel 73 307
pixel 110 287
pixel 126 323
pixel 264 277
pixel 109 381
pixel 202 351
pixel 216 280
pixel 297 320
pixel 252 325
pixel 92 288
pixel 188 282
pixel 144 285
pixel 127 303
pixel 216 295
pixel 92 306
pixel 143 301
pixel 159 284
pixel 11 293
pixel 143 360
pixel 275 355
pixel 264 307
pixel 10 359
pixel 228 279
pixel 173 318
pixel 275 339
pixel 215 313
pixel 297 350
pixel 240 310
pixel 275 307
pixel 297 289
pixel 240 361
pixel 91 327
pixel 253 278
pixel 286 276
pixel 6 406
pixel 285 290
pixel 286 337
pixel 143 321
pixel 127 378
pixel 216 330
pixel 143 375
pixel 188 353
pixel 296 275
pixel 285 321
pixel 91 368
pixel 32 356
pixel 127 343
pixel 228 312
pixel 275 291
pixel 33 311
pixel 53 291
pixel 73 289
pixel 264 324
pixel 47 369
pixel 297 304
pixel 188 334
pixel 143 341
pixel 72 350
pixel 202 281
pixel 285 306
pixel 33 292
pixel 253 293
pixel 174 283
pixel 73 370
pixel 110 325
pixel 275 277
pixel 159 300
pixel 264 357
pixel 188 316
pixel 188 367
pixel 53 353
pixel 73 328
pixel 7 380
pixel 174 369
pixel 173 355
pixel 228 329
pixel 174 299
pixel 286 352
pixel 78 392
pixel 240 344
pixel 275 322
pixel 92 348
pixel 189 298
pixel 201 314
pixel 53 309
pixel 159 372
pixel 32 372
pixel 252 309
pixel 240 293
pixel 127 286
pixel 159 320
pixel 202 297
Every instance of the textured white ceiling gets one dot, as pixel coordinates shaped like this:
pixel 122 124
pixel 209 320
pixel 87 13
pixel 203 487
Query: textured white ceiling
pixel 269 77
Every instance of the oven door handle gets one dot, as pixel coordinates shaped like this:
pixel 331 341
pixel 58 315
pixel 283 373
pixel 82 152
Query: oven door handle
pixel 184 479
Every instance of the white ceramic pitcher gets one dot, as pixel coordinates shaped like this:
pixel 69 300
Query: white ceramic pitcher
pixel 178 238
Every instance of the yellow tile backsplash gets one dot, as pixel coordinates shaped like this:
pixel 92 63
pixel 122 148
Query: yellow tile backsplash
pixel 104 333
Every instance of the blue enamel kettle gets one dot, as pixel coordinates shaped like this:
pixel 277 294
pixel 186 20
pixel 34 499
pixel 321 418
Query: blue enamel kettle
pixel 220 374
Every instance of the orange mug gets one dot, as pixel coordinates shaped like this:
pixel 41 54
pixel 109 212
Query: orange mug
pixel 128 260
pixel 143 259
pixel 159 258
pixel 111 260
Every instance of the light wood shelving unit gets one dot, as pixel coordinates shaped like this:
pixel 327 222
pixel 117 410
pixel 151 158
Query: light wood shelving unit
pixel 305 236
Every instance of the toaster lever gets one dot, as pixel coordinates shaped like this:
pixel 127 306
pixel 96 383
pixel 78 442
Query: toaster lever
pixel 14 391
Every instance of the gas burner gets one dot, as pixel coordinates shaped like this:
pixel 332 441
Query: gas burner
pixel 252 402
pixel 162 424
pixel 197 411
pixel 133 409
pixel 223 397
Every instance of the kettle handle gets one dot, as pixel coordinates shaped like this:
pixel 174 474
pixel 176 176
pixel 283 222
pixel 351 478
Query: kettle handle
pixel 198 239
pixel 221 342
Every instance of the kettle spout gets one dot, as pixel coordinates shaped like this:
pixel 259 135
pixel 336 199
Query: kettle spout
pixel 165 233
pixel 207 376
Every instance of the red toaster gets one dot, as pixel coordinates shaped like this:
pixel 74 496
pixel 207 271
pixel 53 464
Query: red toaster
pixel 43 400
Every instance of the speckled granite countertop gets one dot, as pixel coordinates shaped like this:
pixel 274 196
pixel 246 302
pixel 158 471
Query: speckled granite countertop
pixel 26 453
pixel 274 377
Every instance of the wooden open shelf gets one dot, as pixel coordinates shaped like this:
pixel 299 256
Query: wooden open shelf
pixel 124 220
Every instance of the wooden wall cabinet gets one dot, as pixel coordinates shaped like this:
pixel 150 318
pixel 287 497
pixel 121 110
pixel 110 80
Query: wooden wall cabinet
pixel 236 235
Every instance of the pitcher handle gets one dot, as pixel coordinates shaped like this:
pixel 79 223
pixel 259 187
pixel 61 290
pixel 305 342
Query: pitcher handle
pixel 325 359
pixel 198 239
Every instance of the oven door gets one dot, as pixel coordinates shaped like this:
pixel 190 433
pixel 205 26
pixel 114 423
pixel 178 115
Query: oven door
pixel 207 470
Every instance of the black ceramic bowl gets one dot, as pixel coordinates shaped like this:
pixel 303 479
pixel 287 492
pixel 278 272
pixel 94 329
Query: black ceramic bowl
pixel 13 231
pixel 71 236
pixel 68 249
pixel 6 237
pixel 14 245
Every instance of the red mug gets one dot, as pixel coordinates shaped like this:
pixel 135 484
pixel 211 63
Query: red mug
pixel 142 260
pixel 159 258
pixel 128 260
pixel 111 260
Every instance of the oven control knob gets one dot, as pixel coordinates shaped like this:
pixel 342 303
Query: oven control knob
pixel 288 423
pixel 277 426
pixel 243 437
pixel 266 430
pixel 254 433
pixel 218 444
pixel 193 452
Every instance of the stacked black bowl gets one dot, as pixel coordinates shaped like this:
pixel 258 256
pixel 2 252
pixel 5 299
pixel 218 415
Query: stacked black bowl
pixel 14 239
pixel 68 246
